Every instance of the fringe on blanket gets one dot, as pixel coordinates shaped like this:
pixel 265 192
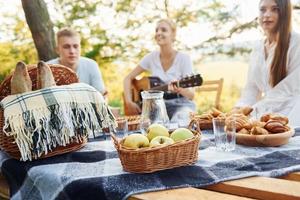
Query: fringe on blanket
pixel 39 131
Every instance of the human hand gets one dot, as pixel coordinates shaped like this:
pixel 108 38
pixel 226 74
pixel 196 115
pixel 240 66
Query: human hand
pixel 133 108
pixel 173 87
pixel 105 96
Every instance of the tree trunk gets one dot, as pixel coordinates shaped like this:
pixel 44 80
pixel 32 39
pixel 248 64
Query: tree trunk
pixel 41 28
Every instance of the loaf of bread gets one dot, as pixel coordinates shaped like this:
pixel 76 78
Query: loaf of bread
pixel 44 76
pixel 20 81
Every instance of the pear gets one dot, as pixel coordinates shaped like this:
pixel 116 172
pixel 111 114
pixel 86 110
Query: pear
pixel 136 140
pixel 161 140
pixel 156 130
pixel 181 134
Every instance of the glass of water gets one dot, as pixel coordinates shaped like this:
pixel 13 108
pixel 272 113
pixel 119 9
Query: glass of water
pixel 122 128
pixel 224 134
pixel 183 119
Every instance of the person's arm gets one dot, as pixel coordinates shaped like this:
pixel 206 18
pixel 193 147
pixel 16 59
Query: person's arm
pixel 188 93
pixel 251 93
pixel 97 80
pixel 284 97
pixel 133 107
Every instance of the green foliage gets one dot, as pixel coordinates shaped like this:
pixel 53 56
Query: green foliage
pixel 131 16
pixel 21 49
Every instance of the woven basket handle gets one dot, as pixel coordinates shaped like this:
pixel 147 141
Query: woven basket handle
pixel 115 139
pixel 192 124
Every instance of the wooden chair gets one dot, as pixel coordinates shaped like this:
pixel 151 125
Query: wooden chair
pixel 213 86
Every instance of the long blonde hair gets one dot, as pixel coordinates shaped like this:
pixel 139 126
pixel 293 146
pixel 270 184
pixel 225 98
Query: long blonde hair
pixel 278 69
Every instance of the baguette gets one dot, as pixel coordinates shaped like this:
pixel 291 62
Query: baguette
pixel 20 81
pixel 44 76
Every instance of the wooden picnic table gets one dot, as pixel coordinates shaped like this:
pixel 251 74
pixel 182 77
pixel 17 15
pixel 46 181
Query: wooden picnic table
pixel 264 188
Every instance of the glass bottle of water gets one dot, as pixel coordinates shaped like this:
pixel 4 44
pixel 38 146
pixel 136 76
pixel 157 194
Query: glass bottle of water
pixel 153 109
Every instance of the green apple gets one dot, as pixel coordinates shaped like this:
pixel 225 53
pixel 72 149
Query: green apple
pixel 156 130
pixel 161 140
pixel 181 134
pixel 136 141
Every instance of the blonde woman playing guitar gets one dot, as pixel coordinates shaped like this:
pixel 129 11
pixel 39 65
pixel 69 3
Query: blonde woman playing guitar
pixel 169 65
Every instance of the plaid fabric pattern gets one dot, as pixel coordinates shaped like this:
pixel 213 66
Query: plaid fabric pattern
pixel 95 172
pixel 43 119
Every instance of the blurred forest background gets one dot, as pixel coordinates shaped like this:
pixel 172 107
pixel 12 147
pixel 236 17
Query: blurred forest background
pixel 117 33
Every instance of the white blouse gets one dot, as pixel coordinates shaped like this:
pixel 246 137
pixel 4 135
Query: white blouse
pixel 284 98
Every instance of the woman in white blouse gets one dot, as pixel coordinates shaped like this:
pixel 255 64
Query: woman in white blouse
pixel 274 73
pixel 168 64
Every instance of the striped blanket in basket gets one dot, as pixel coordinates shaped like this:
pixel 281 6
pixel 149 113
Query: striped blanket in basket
pixel 43 119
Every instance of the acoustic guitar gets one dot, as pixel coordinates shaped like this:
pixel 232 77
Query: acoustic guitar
pixel 155 83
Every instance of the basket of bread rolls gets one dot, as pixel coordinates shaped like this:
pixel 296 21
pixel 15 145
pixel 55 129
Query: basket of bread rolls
pixel 271 129
pixel 27 78
pixel 204 121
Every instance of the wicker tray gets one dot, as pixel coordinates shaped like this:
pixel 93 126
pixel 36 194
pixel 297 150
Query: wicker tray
pixel 133 122
pixel 270 140
pixel 147 160
pixel 62 76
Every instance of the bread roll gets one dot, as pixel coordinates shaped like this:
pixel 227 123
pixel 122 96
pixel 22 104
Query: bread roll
pixel 44 76
pixel 246 110
pixel 265 117
pixel 20 81
pixel 281 119
pixel 215 112
pixel 258 131
pixel 244 131
pixel 240 121
pixel 205 116
pixel 258 123
pixel 276 127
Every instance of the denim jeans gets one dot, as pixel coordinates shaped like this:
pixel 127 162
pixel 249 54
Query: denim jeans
pixel 179 107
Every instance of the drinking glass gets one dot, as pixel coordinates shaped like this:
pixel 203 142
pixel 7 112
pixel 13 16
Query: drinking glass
pixel 183 118
pixel 122 128
pixel 224 134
